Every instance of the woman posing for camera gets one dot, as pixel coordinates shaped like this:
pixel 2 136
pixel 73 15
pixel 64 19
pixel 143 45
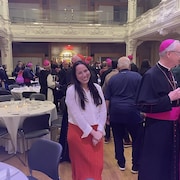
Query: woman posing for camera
pixel 86 116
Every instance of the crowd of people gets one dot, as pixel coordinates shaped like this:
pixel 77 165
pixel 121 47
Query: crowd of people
pixel 140 105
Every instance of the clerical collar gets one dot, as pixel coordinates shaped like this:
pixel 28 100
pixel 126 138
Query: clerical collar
pixel 164 66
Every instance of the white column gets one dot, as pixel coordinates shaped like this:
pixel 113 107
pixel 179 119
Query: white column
pixel 178 4
pixel 6 54
pixel 132 8
pixel 6 46
pixel 1 8
pixel 131 47
pixel 5 8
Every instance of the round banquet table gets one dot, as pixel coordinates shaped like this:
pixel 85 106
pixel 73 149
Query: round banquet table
pixel 10 172
pixel 17 92
pixel 13 114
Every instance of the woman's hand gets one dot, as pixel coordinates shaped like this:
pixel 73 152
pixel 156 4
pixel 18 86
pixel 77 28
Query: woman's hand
pixel 94 141
pixel 97 136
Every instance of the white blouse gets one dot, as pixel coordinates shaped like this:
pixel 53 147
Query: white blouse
pixel 92 115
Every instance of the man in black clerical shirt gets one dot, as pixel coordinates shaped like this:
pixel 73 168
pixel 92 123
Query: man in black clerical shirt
pixel 158 97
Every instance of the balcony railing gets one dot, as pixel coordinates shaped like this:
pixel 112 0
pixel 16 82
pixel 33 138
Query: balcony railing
pixel 67 16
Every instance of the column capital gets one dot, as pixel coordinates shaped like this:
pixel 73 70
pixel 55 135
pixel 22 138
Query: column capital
pixel 131 43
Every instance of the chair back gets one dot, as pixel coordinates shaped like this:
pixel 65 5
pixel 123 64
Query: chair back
pixel 6 98
pixel 44 156
pixel 3 131
pixel 2 88
pixel 11 86
pixel 35 123
pixel 11 81
pixel 4 92
pixel 38 96
pixel 26 94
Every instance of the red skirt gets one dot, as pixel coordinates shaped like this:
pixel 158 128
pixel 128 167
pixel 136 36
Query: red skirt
pixel 86 159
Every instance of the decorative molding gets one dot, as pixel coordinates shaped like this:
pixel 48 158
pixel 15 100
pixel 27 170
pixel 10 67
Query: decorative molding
pixel 56 33
pixel 163 32
pixel 36 30
pixel 164 17
pixel 130 46
pixel 70 31
pixel 96 31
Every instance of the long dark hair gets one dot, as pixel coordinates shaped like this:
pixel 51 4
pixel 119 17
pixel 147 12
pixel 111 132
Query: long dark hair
pixel 93 90
pixel 145 65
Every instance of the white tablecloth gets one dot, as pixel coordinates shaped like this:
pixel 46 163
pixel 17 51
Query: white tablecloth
pixel 11 173
pixel 13 114
pixel 17 92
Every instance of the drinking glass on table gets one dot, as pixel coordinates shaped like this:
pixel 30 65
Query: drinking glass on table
pixel 33 99
pixel 12 100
